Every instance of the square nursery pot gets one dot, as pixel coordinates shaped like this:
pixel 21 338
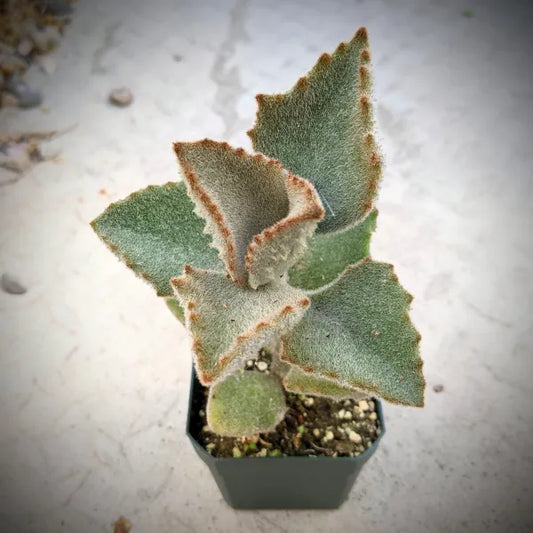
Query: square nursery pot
pixel 282 482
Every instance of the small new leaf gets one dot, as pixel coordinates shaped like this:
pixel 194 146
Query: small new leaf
pixel 277 248
pixel 245 404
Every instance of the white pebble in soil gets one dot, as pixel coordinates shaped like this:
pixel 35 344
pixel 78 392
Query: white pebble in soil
pixel 363 405
pixel 261 366
pixel 250 363
pixel 329 436
pixel 355 437
pixel 308 402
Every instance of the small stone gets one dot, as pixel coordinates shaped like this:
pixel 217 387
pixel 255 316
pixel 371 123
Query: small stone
pixel 368 444
pixel 363 405
pixel 201 412
pixel 347 415
pixel 373 416
pixel 261 366
pixel 205 428
pixel 236 452
pixel 121 97
pixel 355 437
pixel 340 429
pixel 308 402
pixel 11 285
pixel 341 413
pixel 210 446
pixel 438 388
pixel 329 436
pixel 262 452
pixel 362 415
pixel 378 432
pixel 25 47
pixel 356 410
pixel 250 363
pixel 347 403
pixel 316 432
pixel 371 405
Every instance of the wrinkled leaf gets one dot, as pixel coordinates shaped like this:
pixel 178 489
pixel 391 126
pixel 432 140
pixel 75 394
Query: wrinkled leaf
pixel 238 195
pixel 155 232
pixel 321 130
pixel 328 254
pixel 277 248
pixel 245 404
pixel 230 322
pixel 357 332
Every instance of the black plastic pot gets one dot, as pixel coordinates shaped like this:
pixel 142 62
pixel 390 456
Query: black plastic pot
pixel 282 482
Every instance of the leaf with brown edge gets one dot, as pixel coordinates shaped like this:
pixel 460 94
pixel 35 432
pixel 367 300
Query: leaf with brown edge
pixel 357 332
pixel 301 382
pixel 276 249
pixel 155 232
pixel 230 322
pixel 321 130
pixel 238 194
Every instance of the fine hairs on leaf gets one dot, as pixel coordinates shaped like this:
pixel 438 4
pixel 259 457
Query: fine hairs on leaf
pixel 270 252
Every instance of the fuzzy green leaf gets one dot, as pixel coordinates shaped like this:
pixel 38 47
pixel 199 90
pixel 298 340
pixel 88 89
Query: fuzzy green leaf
pixel 258 214
pixel 328 254
pixel 155 232
pixel 300 382
pixel 245 404
pixel 321 130
pixel 231 322
pixel 358 333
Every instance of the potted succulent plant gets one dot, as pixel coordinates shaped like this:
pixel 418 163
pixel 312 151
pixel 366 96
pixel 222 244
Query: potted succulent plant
pixel 265 258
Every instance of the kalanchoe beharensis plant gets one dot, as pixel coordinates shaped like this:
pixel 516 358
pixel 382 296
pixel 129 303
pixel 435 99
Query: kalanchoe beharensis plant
pixel 273 252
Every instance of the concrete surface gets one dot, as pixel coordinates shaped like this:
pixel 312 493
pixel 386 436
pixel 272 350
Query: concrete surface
pixel 94 370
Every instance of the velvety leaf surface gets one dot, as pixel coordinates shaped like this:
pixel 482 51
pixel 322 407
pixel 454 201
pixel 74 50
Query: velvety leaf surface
pixel 300 382
pixel 276 249
pixel 321 130
pixel 357 331
pixel 239 195
pixel 245 404
pixel 328 254
pixel 155 232
pixel 230 322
